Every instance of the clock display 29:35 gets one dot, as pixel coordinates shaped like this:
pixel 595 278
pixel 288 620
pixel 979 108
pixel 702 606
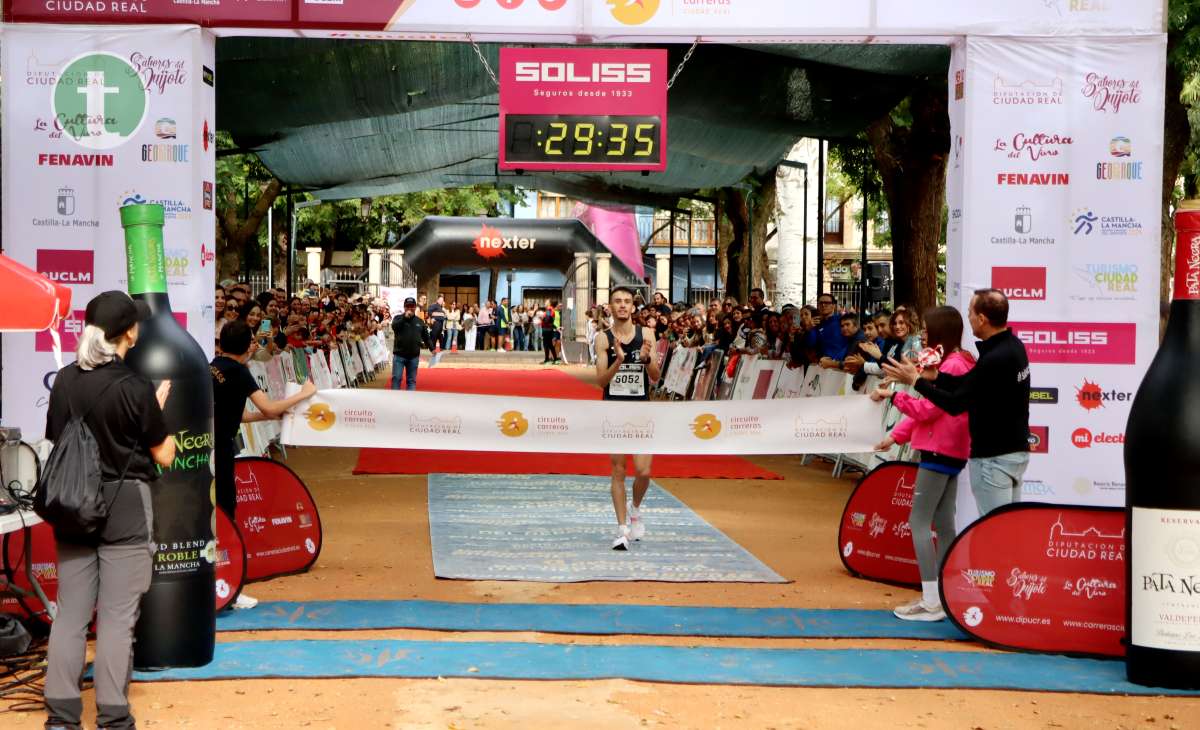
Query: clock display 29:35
pixel 603 139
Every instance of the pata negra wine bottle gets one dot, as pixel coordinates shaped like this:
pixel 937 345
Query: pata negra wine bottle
pixel 178 621
pixel 1162 488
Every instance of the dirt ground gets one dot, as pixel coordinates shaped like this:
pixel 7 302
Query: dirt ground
pixel 376 545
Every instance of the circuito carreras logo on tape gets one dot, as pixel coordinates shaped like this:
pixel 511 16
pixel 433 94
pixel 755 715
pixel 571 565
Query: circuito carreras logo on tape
pixel 320 417
pixel 706 426
pixel 513 424
pixel 633 12
pixel 99 100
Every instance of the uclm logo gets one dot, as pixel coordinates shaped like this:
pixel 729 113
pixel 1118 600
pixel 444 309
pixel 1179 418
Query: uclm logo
pixel 1020 283
pixel 1094 343
pixel 66 266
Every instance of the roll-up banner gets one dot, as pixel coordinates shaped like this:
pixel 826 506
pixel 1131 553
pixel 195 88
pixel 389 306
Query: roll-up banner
pixel 414 420
pixel 230 567
pixel 45 571
pixel 64 183
pixel 1055 181
pixel 1040 577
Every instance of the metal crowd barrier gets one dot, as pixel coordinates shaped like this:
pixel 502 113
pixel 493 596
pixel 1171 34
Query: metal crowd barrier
pixel 708 373
pixel 349 365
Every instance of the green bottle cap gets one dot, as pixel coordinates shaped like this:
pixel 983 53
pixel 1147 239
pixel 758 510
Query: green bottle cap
pixel 144 258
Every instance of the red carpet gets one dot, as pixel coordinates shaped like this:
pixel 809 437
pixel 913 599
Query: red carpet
pixel 548 383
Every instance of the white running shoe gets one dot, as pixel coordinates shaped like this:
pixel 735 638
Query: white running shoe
pixel 244 601
pixel 637 526
pixel 919 612
pixel 622 541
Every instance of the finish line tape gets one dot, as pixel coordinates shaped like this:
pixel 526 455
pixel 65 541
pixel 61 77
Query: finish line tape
pixel 391 419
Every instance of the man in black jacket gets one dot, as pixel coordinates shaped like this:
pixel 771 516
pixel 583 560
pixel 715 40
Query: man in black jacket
pixel 995 396
pixel 411 335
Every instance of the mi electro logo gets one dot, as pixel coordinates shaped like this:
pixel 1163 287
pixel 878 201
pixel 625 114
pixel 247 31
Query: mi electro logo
pixel 567 72
pixel 1043 396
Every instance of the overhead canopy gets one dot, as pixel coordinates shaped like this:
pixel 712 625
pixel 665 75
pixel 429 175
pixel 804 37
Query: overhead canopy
pixel 441 242
pixel 32 302
pixel 349 119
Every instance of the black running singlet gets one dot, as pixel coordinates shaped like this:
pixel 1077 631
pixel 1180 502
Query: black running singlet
pixel 630 381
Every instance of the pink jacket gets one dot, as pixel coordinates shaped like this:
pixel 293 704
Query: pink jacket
pixel 929 427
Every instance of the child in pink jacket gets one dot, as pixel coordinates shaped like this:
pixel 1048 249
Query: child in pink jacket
pixel 945 445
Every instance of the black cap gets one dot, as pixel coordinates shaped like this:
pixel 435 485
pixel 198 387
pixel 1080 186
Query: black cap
pixel 410 302
pixel 115 312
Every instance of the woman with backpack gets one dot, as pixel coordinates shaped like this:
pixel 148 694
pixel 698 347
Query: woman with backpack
pixel 108 570
pixel 945 445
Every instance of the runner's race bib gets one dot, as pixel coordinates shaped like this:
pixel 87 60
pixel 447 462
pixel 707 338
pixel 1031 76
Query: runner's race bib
pixel 630 381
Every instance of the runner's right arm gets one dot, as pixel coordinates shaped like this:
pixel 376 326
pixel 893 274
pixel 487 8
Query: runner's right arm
pixel 606 371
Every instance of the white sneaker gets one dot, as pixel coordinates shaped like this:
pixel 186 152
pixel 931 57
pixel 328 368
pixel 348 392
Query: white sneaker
pixel 637 526
pixel 919 612
pixel 622 541
pixel 244 601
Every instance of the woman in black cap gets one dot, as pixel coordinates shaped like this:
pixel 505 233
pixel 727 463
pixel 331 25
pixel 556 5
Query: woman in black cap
pixel 107 573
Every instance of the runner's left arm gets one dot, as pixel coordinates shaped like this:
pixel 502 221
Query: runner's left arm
pixel 652 368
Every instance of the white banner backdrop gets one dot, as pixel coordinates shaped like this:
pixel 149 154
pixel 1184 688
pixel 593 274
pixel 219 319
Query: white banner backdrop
pixel 451 422
pixel 1057 151
pixel 72 159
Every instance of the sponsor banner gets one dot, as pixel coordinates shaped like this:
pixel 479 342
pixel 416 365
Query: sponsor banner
pixel 415 420
pixel 1084 343
pixel 874 539
pixel 45 570
pixel 136 134
pixel 230 568
pixel 657 18
pixel 277 519
pixel 1061 588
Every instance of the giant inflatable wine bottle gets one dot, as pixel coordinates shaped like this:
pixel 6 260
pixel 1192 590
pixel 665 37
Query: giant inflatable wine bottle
pixel 1162 488
pixel 177 627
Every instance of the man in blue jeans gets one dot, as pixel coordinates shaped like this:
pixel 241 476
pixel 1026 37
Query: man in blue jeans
pixel 411 335
pixel 995 396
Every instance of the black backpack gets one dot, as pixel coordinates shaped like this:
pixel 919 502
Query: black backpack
pixel 68 495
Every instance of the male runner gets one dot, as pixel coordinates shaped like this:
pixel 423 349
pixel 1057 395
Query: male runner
pixel 625 369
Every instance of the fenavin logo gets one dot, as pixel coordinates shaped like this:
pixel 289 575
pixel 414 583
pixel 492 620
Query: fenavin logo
pixel 633 12
pixel 100 101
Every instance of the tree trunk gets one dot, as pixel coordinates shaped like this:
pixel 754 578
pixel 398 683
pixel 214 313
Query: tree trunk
pixel 733 257
pixel 764 214
pixel 912 165
pixel 1176 136
pixel 233 235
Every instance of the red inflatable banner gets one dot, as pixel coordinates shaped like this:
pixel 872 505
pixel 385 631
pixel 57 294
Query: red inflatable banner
pixel 277 519
pixel 231 560
pixel 1041 577
pixel 45 570
pixel 874 539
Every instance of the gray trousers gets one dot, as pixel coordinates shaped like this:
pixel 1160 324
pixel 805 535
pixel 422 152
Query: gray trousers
pixel 934 498
pixel 996 480
pixel 108 578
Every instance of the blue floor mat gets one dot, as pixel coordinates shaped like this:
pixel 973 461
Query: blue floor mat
pixel 691 665
pixel 559 529
pixel 584 619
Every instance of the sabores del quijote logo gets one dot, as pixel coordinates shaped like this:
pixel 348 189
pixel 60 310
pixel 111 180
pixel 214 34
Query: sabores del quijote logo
pixel 1111 93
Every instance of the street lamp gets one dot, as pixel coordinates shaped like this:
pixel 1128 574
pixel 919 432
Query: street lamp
pixel 364 208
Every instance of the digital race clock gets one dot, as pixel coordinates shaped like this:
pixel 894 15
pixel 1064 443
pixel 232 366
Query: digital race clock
pixel 585 109
pixel 611 140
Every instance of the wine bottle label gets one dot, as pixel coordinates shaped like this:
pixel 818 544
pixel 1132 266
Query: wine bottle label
pixel 1165 579
pixel 144 259
pixel 1187 263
